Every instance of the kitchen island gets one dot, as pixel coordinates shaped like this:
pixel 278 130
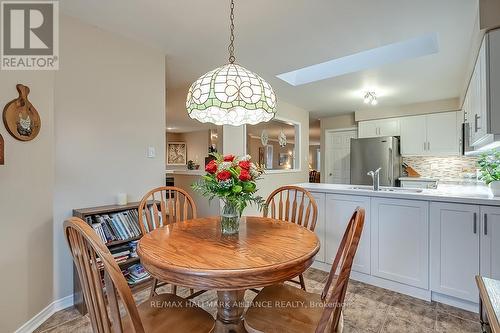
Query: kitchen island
pixel 428 243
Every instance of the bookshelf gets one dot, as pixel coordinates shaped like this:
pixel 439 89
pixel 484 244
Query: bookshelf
pixel 91 212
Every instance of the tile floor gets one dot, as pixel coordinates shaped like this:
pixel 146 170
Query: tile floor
pixel 368 310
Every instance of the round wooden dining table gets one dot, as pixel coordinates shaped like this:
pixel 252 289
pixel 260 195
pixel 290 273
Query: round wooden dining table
pixel 195 254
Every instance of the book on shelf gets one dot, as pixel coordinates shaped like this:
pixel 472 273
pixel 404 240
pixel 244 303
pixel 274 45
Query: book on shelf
pixel 115 226
pixel 121 253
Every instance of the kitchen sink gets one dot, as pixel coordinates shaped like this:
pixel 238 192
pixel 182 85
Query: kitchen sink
pixel 387 189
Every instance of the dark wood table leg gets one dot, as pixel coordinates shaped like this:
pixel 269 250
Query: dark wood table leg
pixel 230 307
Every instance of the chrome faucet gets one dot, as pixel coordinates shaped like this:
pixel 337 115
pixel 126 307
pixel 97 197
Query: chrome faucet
pixel 375 178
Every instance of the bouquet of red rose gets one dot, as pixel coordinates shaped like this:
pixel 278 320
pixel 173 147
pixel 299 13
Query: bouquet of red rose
pixel 231 179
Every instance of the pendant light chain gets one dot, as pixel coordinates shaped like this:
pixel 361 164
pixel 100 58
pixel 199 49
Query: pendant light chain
pixel 231 94
pixel 231 38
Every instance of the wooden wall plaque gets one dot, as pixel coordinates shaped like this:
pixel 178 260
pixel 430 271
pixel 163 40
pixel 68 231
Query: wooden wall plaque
pixel 20 117
pixel 2 150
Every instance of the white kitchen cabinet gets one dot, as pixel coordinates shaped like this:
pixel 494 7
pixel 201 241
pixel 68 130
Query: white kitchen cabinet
pixel 368 129
pixel 478 102
pixel 389 127
pixel 454 249
pixel 434 134
pixel 413 135
pixel 339 209
pixel 443 134
pixel 490 242
pixel 400 241
pixel 320 225
pixel 377 128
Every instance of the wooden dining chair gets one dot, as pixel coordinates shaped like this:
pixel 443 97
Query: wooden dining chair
pixel 287 203
pixel 162 206
pixel 103 298
pixel 318 313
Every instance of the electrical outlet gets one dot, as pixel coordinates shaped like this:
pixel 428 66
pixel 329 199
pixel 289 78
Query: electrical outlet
pixel 151 152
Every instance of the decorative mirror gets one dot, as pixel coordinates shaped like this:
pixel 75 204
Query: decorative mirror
pixel 274 145
pixel 264 138
pixel 282 139
pixel 20 117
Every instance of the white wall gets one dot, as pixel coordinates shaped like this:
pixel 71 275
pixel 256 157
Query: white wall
pixel 110 106
pixel 234 143
pixel 197 143
pixel 26 185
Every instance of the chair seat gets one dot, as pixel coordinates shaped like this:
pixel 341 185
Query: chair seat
pixel 284 308
pixel 173 314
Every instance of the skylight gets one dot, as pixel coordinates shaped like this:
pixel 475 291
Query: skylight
pixel 373 58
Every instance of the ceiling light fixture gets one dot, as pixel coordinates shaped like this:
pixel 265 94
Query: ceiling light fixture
pixel 231 94
pixel 370 98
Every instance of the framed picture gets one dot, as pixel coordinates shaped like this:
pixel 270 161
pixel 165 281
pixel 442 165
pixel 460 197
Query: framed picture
pixel 284 159
pixel 176 153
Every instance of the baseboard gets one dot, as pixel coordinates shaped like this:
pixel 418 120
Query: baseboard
pixel 45 314
pixel 456 302
pixel 424 294
pixel 401 288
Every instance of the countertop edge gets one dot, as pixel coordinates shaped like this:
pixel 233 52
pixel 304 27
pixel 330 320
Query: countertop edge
pixel 425 195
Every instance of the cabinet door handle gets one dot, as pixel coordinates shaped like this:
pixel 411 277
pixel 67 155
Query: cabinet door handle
pixel 475 223
pixel 425 146
pixel 428 145
pixel 476 118
pixel 485 224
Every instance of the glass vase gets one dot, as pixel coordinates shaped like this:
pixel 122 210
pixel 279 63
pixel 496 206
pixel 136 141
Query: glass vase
pixel 230 219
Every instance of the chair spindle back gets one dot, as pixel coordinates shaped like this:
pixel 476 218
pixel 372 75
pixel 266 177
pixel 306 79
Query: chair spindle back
pixel 165 205
pixel 292 204
pixel 345 256
pixel 88 251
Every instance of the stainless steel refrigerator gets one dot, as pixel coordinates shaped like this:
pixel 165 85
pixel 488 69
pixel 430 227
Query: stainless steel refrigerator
pixel 372 153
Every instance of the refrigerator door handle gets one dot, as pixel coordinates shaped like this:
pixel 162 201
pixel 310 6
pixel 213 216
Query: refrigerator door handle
pixel 391 166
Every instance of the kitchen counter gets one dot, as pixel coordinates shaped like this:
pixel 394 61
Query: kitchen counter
pixel 426 243
pixel 198 172
pixel 184 179
pixel 478 194
pixel 424 179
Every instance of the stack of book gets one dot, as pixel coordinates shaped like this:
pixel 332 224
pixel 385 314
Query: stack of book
pixel 117 226
pixel 120 253
pixel 135 274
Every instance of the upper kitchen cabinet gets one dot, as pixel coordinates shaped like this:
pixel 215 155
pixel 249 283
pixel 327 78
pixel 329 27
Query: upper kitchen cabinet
pixel 476 99
pixel 443 134
pixel 377 128
pixel 413 135
pixel 482 100
pixel 433 134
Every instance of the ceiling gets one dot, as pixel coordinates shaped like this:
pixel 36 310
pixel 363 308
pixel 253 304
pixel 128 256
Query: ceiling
pixel 278 36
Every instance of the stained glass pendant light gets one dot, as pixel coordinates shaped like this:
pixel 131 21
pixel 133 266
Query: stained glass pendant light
pixel 231 94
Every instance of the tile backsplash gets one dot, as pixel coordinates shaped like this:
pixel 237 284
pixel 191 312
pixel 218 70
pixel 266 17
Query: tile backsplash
pixel 443 168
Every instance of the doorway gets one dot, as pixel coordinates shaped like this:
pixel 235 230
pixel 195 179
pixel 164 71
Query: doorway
pixel 338 155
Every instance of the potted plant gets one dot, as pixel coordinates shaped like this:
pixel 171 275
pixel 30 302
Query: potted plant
pixel 489 164
pixel 233 180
